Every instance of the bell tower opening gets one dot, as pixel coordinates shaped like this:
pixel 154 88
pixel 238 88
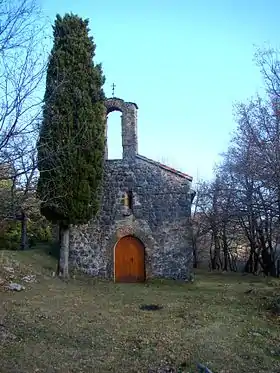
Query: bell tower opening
pixel 126 135
pixel 114 135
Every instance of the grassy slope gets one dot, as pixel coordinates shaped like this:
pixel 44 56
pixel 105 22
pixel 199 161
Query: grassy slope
pixel 96 326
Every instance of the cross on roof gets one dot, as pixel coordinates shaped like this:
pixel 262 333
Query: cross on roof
pixel 113 89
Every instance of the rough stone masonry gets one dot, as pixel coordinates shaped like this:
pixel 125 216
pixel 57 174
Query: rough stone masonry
pixel 141 198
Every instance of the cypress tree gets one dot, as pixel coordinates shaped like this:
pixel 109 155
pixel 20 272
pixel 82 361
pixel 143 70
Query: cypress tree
pixel 71 142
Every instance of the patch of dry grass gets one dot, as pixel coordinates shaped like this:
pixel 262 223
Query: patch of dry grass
pixel 86 325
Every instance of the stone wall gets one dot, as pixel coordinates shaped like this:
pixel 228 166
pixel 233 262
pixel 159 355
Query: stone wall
pixel 159 217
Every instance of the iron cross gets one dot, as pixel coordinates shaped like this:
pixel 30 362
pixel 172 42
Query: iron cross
pixel 113 89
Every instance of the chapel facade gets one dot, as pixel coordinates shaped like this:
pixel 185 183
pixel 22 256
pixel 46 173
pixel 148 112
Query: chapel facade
pixel 142 230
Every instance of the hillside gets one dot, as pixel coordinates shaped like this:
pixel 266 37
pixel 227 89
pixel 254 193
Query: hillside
pixel 85 325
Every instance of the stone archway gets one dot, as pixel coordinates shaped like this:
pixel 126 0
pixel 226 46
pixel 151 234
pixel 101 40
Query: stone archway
pixel 129 125
pixel 129 260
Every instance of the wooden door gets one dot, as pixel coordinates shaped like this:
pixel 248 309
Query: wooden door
pixel 129 260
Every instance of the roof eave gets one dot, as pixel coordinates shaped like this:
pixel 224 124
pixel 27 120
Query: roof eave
pixel 167 168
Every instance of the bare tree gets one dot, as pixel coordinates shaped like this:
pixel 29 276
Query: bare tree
pixel 200 225
pixel 244 198
pixel 242 204
pixel 219 224
pixel 259 181
pixel 22 69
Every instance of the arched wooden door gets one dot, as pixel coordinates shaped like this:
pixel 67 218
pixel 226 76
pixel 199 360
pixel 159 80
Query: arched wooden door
pixel 129 260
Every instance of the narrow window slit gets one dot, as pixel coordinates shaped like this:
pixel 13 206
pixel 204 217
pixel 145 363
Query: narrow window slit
pixel 130 199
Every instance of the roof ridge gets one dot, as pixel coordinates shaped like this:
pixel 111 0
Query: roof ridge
pixel 171 169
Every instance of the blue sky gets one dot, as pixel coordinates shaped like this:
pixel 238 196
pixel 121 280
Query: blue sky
pixel 184 63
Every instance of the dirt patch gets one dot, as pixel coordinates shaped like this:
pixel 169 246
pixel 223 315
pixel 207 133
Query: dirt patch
pixel 150 307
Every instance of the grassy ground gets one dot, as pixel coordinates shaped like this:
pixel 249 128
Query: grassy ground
pixel 96 326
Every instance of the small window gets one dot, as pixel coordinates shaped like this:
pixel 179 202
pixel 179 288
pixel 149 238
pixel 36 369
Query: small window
pixel 130 199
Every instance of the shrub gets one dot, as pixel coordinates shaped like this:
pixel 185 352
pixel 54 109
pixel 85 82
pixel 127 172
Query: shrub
pixel 10 235
pixel 38 231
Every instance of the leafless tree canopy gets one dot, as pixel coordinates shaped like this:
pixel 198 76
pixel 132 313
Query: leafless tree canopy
pixel 240 209
pixel 22 71
pixel 22 66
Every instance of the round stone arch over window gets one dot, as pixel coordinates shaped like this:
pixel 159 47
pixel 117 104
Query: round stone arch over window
pixel 129 125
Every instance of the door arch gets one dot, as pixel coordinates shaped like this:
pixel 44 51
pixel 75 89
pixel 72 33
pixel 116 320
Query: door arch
pixel 129 260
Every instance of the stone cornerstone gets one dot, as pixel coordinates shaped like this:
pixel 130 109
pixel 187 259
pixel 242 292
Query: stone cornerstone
pixel 141 198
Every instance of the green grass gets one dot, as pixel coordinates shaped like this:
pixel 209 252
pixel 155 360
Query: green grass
pixel 85 325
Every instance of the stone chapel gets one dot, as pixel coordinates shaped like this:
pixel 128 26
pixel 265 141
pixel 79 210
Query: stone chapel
pixel 142 230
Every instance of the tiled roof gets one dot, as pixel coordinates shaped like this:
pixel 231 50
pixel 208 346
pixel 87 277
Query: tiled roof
pixel 161 165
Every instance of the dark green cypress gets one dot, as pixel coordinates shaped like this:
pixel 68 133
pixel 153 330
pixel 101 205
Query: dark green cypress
pixel 71 142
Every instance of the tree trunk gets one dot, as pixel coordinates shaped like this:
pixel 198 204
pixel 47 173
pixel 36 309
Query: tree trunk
pixel 232 263
pixel 23 237
pixel 195 259
pixel 216 263
pixel 211 255
pixel 256 262
pixel 59 253
pixel 225 250
pixel 269 267
pixel 249 264
pixel 64 251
